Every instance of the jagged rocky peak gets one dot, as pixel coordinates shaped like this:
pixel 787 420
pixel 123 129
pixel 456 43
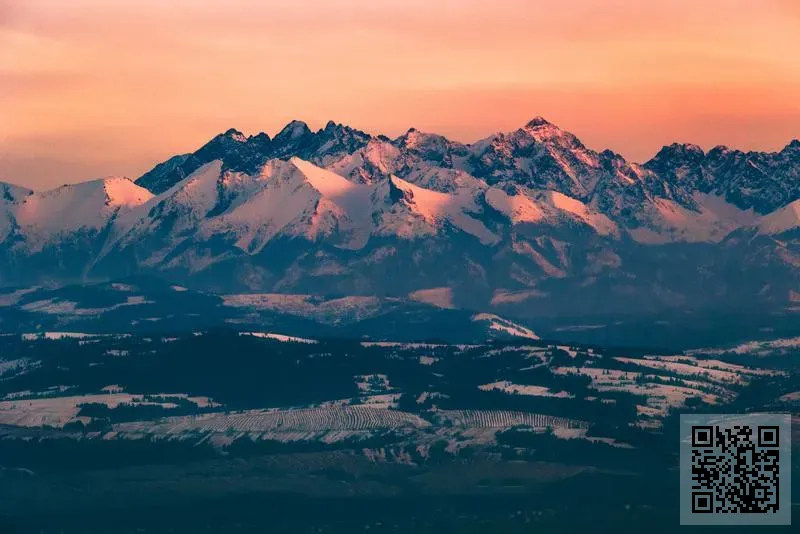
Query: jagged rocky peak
pixel 232 134
pixel 683 152
pixel 678 162
pixel 221 146
pixel 538 122
pixel 415 139
pixel 259 143
pixel 343 132
pixel 430 147
pixel 793 146
pixel 543 131
pixel 610 155
pixel 230 137
pixel 415 136
pixel 718 152
pixel 236 135
pixel 294 130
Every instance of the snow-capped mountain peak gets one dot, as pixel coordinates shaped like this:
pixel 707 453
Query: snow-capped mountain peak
pixel 293 131
pixel 537 122
pixel 13 193
pixel 546 132
pixel 85 207
pixel 792 147
pixel 235 135
pixel 528 214
pixel 782 220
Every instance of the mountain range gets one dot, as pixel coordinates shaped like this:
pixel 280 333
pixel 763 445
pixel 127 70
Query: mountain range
pixel 528 223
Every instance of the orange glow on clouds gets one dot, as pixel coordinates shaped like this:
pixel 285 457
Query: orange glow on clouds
pixel 91 87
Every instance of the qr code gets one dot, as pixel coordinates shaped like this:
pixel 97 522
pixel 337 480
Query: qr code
pixel 735 466
pixel 735 470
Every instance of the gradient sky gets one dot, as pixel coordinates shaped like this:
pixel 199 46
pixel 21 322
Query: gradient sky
pixel 90 88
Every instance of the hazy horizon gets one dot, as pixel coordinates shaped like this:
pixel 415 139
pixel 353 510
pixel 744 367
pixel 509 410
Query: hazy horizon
pixel 90 89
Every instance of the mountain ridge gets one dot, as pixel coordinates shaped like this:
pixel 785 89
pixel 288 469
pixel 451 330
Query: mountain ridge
pixel 530 212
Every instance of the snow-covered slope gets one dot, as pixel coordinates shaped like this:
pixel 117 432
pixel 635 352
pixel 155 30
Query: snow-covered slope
pixel 667 221
pixel 523 205
pixel 528 218
pixel 87 207
pixel 286 200
pixel 10 193
pixel 499 327
pixel 437 208
pixel 782 220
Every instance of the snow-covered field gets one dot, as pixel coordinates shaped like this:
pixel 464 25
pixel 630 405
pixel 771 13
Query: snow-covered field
pixel 10 299
pixel 15 366
pixel 758 348
pixel 58 411
pixel 67 307
pixel 660 396
pixel 327 311
pixel 375 383
pixel 323 419
pixel 411 346
pixel 441 297
pixel 498 324
pixel 56 335
pixel 506 419
pixel 521 389
pixel 279 337
pixel 690 367
pixel 793 397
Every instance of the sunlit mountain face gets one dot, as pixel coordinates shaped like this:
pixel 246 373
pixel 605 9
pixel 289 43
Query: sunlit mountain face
pixel 529 222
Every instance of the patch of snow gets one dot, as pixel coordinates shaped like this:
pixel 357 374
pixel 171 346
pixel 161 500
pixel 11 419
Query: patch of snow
pixel 16 365
pixel 569 350
pixel 10 299
pixel 522 389
pixel 602 224
pixel 87 206
pixel 512 297
pixel 518 208
pixel 66 307
pixel 793 397
pixel 503 325
pixel 756 347
pixel 58 411
pixel 279 337
pixel 57 335
pixel 661 397
pixel 374 383
pixel 331 311
pixel 686 369
pixel 441 297
pixel 436 207
pixel 669 221
pixel 781 220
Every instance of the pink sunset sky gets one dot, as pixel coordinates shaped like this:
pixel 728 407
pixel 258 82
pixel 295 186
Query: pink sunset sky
pixel 90 88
